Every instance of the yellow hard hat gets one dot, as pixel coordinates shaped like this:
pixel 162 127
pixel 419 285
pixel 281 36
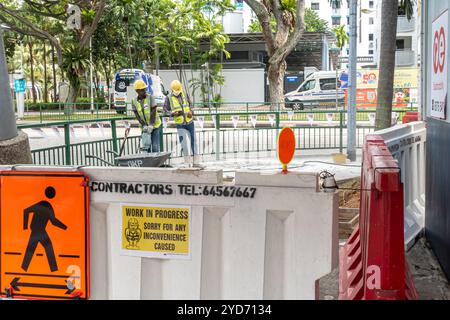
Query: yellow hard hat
pixel 176 87
pixel 140 84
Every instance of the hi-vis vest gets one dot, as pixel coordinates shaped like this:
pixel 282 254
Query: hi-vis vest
pixel 143 116
pixel 175 106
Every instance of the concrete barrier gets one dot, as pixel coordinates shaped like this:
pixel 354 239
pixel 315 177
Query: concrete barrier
pixel 274 245
pixel 407 144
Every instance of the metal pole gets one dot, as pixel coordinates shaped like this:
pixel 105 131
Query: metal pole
pixel 157 58
pixel 67 143
pixel 8 127
pixel 351 123
pixel 114 135
pixel 91 76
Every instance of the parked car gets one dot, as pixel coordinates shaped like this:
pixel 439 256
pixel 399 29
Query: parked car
pixel 318 90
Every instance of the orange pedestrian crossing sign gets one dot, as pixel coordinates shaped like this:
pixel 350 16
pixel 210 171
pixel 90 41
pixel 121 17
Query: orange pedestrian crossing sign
pixel 44 235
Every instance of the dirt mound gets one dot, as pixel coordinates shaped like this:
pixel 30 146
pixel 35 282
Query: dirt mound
pixel 349 193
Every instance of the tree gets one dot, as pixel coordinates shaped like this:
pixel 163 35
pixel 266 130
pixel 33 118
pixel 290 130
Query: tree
pixel 290 26
pixel 33 85
pixel 10 42
pixel 30 18
pixel 313 23
pixel 341 40
pixel 389 15
pixel 182 30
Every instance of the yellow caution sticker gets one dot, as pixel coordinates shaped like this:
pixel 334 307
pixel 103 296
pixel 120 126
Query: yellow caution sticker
pixel 156 231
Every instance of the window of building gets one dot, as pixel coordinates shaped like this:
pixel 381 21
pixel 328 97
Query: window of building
pixel 239 4
pixel 336 21
pixel 370 4
pixel 371 20
pixel 370 36
pixel 370 51
pixel 400 43
pixel 336 5
pixel 315 6
pixel 348 20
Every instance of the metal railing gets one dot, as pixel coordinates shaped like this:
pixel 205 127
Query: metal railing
pixel 404 57
pixel 404 25
pixel 46 112
pixel 216 134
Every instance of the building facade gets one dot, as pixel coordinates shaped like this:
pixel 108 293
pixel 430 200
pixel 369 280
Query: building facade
pixel 408 37
pixel 240 20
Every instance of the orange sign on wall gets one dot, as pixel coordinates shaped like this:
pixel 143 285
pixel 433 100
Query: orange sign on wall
pixel 44 235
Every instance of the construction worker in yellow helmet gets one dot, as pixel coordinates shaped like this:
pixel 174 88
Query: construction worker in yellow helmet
pixel 179 107
pixel 145 109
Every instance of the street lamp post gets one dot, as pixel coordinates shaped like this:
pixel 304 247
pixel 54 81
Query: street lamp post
pixel 91 76
pixel 351 121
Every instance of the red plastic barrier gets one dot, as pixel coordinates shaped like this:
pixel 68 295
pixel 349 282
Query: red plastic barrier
pixel 410 116
pixel 372 262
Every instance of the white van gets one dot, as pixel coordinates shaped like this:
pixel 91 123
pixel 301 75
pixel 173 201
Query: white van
pixel 124 92
pixel 318 90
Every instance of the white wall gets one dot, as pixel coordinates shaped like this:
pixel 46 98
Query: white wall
pixel 241 85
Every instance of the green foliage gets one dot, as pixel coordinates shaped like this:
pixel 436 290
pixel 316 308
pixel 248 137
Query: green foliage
pixel 288 5
pixel 407 6
pixel 255 26
pixel 10 40
pixel 313 23
pixel 127 32
pixel 341 36
pixel 76 61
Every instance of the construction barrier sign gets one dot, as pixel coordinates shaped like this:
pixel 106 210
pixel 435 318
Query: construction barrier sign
pixel 156 231
pixel 44 235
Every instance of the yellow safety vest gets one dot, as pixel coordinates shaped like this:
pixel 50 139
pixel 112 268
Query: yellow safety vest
pixel 144 115
pixel 175 107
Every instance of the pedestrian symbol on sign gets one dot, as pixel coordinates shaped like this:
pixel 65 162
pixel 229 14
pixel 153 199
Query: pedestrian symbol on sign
pixel 42 214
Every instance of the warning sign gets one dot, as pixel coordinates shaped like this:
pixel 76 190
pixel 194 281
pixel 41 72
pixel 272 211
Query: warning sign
pixel 438 96
pixel 156 231
pixel 44 235
pixel 286 147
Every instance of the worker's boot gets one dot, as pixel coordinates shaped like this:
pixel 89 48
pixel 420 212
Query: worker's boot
pixel 187 161
pixel 197 161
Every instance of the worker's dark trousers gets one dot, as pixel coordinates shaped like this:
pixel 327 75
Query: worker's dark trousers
pixel 154 146
pixel 44 239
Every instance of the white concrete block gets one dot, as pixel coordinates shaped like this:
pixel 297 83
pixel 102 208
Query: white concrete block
pixel 277 179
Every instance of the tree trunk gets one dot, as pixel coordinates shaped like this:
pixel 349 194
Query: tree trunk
pixel 108 83
pixel 389 13
pixel 33 92
pixel 45 75
pixel 276 81
pixel 55 85
pixel 73 93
